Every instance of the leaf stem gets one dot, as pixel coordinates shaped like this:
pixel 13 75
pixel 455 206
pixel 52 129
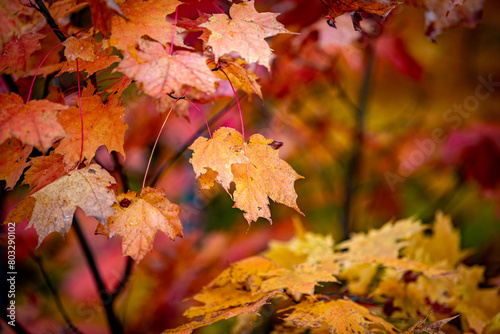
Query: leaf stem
pixel 81 112
pixel 54 293
pixel 201 113
pixel 106 298
pixel 38 69
pixel 158 137
pixel 238 102
pixel 173 33
pixel 355 159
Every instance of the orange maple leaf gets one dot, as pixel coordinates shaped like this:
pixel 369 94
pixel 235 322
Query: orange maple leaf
pixel 378 7
pixel 137 219
pixel 102 125
pixel 91 55
pixel 33 123
pixel 13 158
pixel 341 316
pixel 240 76
pixel 18 50
pixel 43 171
pixel 254 167
pixel 55 204
pixel 244 33
pixel 144 18
pixel 160 73
pixel 102 13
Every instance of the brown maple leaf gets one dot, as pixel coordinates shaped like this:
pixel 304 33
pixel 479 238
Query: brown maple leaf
pixel 55 204
pixel 33 123
pixel 160 73
pixel 102 125
pixel 144 18
pixel 254 167
pixel 137 219
pixel 13 158
pixel 244 33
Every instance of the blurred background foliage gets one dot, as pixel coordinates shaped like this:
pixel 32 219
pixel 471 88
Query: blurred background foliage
pixel 419 155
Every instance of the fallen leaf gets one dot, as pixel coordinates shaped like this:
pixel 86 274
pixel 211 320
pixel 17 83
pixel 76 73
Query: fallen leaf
pixel 137 219
pixel 244 32
pixel 160 73
pixel 103 124
pixel 33 123
pixel 254 167
pixel 13 161
pixel 56 203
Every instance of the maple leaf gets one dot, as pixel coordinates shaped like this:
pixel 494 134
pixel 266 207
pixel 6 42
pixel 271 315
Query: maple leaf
pixel 102 13
pixel 433 328
pixel 244 32
pixel 254 167
pixel 56 203
pixel 160 73
pixel 43 171
pixel 222 303
pixel 378 7
pixel 137 219
pixel 18 50
pixel 144 18
pixel 240 76
pixel 299 281
pixel 386 241
pixel 102 125
pixel 13 158
pixel 341 316
pixel 33 123
pixel 441 15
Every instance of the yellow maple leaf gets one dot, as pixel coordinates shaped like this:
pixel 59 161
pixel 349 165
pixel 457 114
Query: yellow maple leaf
pixel 341 316
pixel 55 204
pixel 254 167
pixel 137 219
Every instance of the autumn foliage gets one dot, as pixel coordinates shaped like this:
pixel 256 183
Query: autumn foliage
pixel 262 93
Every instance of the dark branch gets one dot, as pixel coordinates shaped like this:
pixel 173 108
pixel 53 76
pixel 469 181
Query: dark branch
pixel 355 160
pixel 40 6
pixel 55 294
pixel 114 324
pixel 176 98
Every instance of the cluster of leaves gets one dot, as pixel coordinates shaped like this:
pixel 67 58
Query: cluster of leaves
pixel 382 281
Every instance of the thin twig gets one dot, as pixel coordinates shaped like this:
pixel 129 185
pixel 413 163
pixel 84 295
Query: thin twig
pixel 54 293
pixel 40 6
pixel 114 324
pixel 164 166
pixel 354 161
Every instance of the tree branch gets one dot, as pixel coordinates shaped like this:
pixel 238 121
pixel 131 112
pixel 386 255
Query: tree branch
pixel 55 294
pixel 354 161
pixel 126 276
pixel 106 298
pixel 40 6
